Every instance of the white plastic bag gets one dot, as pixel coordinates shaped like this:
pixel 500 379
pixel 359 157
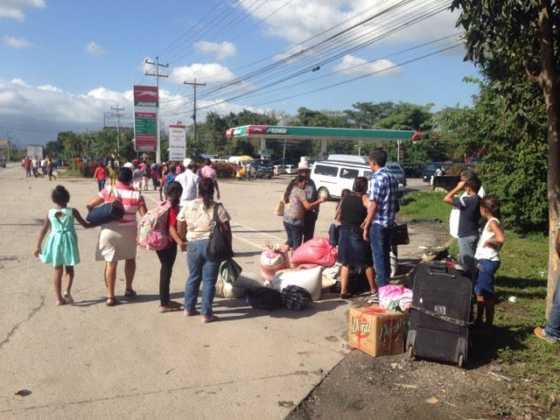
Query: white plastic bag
pixel 308 278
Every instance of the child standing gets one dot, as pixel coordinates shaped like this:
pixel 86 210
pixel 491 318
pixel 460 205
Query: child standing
pixel 61 247
pixel 488 259
pixel 468 205
pixel 167 256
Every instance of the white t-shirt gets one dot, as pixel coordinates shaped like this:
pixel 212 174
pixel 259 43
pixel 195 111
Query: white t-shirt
pixel 200 221
pixel 189 182
pixel 484 252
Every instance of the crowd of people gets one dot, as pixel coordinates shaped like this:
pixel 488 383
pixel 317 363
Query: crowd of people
pixel 365 217
pixel 35 168
pixel 189 195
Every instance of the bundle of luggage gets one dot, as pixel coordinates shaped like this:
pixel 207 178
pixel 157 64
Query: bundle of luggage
pixel 437 313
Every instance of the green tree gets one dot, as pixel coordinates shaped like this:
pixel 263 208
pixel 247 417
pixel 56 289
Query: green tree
pixel 514 42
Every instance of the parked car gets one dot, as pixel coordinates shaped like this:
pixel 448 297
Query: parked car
pixel 430 170
pixel 263 168
pixel 332 177
pixel 398 172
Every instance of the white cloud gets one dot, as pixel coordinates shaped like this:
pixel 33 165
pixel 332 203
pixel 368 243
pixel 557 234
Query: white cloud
pixel 356 66
pixel 94 49
pixel 44 110
pixel 15 42
pixel 306 18
pixel 220 50
pixel 15 9
pixel 204 73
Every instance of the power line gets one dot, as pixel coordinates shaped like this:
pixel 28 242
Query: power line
pixel 311 65
pixel 326 87
pixel 320 46
pixel 286 78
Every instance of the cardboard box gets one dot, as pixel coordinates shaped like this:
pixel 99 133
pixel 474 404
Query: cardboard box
pixel 377 331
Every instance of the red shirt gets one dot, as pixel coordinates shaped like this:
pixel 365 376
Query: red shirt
pixel 100 173
pixel 173 212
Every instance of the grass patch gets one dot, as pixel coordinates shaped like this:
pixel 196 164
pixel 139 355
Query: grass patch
pixel 424 206
pixel 533 363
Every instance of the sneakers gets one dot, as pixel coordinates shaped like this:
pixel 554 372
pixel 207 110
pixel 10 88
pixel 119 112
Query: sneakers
pixel 541 333
pixel 373 299
pixel 68 298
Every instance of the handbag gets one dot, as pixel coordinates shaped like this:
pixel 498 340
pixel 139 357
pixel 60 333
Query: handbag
pixel 334 233
pixel 279 211
pixel 399 235
pixel 219 246
pixel 106 213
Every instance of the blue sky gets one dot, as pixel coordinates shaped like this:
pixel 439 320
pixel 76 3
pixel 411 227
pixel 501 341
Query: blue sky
pixel 66 62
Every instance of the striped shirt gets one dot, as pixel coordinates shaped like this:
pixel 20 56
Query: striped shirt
pixel 384 190
pixel 130 198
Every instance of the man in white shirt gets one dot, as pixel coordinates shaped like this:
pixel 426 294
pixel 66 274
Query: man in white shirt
pixel 189 182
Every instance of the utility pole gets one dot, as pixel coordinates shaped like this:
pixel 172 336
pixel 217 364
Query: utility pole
pixel 157 75
pixel 194 85
pixel 117 113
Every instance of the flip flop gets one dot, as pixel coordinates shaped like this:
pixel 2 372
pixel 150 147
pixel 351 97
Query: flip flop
pixel 130 293
pixel 211 318
pixel 112 302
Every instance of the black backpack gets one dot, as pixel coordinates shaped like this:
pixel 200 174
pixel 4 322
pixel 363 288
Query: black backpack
pixel 296 298
pixel 265 298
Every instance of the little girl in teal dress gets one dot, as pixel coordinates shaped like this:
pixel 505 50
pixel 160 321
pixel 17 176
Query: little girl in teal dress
pixel 61 247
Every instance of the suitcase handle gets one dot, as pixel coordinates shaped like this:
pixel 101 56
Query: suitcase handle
pixel 434 269
pixel 441 317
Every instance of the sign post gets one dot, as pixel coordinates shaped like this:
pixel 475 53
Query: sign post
pixel 146 102
pixel 177 142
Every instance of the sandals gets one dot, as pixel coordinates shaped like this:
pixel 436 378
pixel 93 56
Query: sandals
pixel 192 312
pixel 171 307
pixel 112 302
pixel 345 295
pixel 208 319
pixel 130 293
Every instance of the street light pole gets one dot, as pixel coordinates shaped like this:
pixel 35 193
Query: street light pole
pixel 117 112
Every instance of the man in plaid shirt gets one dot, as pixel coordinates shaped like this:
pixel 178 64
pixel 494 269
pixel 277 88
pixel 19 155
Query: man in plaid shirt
pixel 382 210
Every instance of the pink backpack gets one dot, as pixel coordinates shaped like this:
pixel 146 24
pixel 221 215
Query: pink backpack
pixel 153 229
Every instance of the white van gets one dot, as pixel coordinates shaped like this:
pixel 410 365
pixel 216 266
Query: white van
pixel 331 177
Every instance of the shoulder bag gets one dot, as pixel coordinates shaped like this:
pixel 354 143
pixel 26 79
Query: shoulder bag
pixel 106 213
pixel 219 246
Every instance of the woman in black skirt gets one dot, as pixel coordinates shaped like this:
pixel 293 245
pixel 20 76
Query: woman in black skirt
pixel 353 251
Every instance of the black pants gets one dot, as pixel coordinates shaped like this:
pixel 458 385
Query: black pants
pixel 309 220
pixel 167 259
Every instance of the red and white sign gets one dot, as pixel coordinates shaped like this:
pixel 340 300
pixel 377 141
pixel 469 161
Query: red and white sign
pixel 146 102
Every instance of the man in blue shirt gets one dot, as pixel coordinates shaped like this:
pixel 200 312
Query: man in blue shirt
pixel 382 210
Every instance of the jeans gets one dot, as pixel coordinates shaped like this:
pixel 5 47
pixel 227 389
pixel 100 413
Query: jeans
pixel 380 242
pixel 295 234
pixel 101 184
pixel 309 221
pixel 552 327
pixel 167 259
pixel 201 269
pixel 484 284
pixel 467 248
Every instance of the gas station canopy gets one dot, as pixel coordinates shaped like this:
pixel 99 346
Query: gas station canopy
pixel 317 133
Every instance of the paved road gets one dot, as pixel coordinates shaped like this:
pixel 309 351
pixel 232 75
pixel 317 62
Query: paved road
pixel 90 361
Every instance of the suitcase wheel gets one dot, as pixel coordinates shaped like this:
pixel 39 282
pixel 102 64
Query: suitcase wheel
pixel 461 360
pixel 410 352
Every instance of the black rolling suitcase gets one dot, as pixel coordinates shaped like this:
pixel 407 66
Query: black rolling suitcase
pixel 440 314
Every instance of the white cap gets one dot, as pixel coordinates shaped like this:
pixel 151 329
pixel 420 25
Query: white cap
pixel 128 165
pixel 186 162
pixel 303 164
